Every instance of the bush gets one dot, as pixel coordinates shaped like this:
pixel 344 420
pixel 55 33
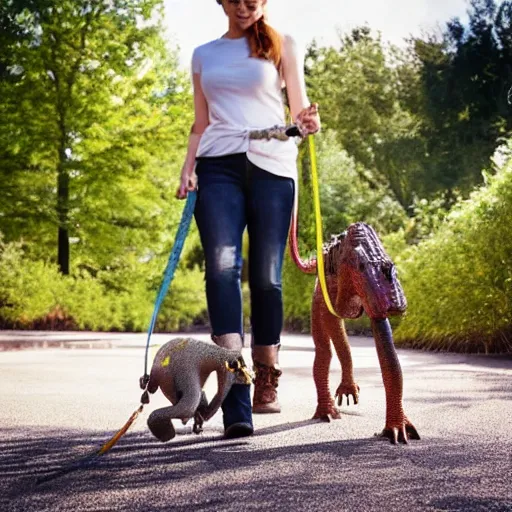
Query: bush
pixel 185 304
pixel 28 289
pixel 458 282
pixel 34 295
pixel 297 293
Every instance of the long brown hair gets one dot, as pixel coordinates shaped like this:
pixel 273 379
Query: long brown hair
pixel 264 41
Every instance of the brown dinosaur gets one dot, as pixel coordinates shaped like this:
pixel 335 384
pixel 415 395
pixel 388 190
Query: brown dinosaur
pixel 360 277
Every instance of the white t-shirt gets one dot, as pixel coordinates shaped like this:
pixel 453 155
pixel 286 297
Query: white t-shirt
pixel 243 94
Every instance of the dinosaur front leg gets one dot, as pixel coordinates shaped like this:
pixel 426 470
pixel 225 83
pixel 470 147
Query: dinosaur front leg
pixel 325 404
pixel 398 428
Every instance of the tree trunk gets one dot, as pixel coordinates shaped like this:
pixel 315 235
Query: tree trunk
pixel 63 212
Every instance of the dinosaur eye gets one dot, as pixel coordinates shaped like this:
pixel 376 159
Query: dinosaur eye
pixel 389 272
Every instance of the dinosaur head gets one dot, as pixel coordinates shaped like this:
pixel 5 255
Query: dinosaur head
pixel 369 270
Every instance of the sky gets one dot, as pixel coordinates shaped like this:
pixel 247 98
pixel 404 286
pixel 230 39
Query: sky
pixel 190 23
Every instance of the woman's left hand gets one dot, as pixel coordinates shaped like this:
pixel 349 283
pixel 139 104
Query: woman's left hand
pixel 308 120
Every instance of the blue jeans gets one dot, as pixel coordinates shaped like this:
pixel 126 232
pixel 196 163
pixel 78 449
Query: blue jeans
pixel 234 194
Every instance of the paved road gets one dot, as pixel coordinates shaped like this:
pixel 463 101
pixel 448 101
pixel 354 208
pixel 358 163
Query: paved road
pixel 59 404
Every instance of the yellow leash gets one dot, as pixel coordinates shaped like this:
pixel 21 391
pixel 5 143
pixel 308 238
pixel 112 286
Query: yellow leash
pixel 319 231
pixel 87 460
pixel 120 433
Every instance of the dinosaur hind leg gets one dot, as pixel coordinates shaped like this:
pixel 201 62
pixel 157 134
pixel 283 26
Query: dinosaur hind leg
pixel 338 335
pixel 325 404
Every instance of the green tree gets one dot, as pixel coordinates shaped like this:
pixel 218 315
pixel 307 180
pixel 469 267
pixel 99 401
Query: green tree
pixel 363 88
pixel 94 114
pixel 465 77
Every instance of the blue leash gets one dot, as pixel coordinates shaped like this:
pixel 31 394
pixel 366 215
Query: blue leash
pixel 181 235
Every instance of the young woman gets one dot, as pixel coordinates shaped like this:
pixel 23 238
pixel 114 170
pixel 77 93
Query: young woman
pixel 245 183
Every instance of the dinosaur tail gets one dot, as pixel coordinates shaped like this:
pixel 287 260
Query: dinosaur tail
pixel 306 266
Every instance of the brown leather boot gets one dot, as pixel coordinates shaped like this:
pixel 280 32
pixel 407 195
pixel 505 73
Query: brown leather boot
pixel 267 378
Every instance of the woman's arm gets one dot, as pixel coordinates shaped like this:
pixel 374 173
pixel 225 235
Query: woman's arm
pixel 188 178
pixel 293 73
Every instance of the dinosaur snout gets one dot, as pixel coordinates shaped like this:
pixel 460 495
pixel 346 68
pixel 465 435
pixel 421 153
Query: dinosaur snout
pixel 380 291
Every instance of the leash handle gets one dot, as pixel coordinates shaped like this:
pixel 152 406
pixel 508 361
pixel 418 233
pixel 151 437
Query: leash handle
pixel 319 231
pixel 172 263
pixel 279 132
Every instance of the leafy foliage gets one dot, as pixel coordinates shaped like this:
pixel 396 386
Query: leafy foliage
pixel 459 280
pixel 364 88
pixel 465 77
pixel 34 294
pixel 423 121
pixel 94 122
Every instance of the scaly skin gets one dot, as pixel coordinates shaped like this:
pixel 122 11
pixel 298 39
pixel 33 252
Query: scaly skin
pixel 360 277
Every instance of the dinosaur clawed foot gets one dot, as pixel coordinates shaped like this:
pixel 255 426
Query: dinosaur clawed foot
pixel 327 413
pixel 400 432
pixel 348 390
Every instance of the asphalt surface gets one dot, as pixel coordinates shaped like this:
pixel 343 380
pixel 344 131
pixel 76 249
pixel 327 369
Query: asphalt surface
pixel 59 404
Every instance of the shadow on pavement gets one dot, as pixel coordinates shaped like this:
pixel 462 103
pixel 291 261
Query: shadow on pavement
pixel 207 473
pixel 486 387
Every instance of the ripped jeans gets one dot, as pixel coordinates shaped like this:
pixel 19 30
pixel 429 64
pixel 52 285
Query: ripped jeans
pixel 234 194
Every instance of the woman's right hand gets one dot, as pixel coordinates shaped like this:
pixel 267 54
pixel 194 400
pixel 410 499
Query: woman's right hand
pixel 308 120
pixel 188 184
